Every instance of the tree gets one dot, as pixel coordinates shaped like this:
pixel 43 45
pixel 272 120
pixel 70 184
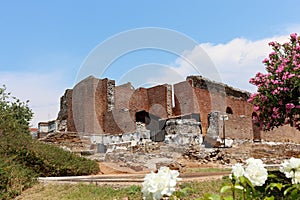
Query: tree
pixel 15 115
pixel 277 100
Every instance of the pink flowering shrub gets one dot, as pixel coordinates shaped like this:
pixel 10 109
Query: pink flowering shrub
pixel 278 91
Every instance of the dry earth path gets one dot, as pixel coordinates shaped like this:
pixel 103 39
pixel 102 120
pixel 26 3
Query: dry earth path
pixel 128 179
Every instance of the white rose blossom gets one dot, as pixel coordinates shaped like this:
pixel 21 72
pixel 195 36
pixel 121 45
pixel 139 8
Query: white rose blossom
pixel 156 185
pixel 256 172
pixel 291 169
pixel 237 171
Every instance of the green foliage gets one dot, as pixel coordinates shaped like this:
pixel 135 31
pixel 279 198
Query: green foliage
pixel 14 178
pixel 45 159
pixel 22 159
pixel 15 115
pixel 277 99
pixel 276 187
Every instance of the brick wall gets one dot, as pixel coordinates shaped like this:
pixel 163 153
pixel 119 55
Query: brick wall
pixel 237 126
pixel 185 99
pixel 90 103
pixel 158 100
pixel 123 95
pixel 66 113
pixel 101 107
pixel 139 100
pixel 282 134
pixel 118 121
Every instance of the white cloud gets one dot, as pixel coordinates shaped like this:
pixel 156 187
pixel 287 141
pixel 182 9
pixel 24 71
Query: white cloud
pixel 236 61
pixel 43 90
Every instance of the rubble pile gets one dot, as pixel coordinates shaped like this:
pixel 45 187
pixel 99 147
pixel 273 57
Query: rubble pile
pixel 207 155
pixel 183 131
pixel 143 155
pixel 70 140
pixel 270 153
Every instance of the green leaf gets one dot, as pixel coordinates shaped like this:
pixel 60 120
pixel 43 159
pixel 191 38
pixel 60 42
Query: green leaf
pixel 269 198
pixel 212 197
pixel 272 176
pixel 274 185
pixel 228 198
pixel 225 188
pixel 288 190
pixel 238 187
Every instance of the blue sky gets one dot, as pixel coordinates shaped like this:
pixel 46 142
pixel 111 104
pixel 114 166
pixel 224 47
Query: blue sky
pixel 44 43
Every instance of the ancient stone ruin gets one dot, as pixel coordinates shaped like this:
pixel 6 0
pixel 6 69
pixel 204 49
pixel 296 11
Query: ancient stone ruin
pixel 106 114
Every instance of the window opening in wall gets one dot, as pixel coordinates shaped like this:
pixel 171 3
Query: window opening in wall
pixel 142 116
pixel 229 110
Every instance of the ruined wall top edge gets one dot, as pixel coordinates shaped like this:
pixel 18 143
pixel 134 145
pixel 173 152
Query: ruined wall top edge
pixel 197 82
pixel 213 86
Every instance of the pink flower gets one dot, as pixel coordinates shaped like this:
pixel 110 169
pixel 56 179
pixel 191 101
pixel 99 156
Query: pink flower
pixel 252 96
pixel 264 98
pixel 291 75
pixel 293 36
pixel 289 107
pixel 256 108
pixel 272 54
pixel 275 92
pixel 275 110
pixel 265 60
pixel 271 43
pixel 280 69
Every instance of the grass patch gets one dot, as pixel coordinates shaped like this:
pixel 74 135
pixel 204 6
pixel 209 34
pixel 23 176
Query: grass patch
pixel 80 192
pixel 185 191
pixel 208 170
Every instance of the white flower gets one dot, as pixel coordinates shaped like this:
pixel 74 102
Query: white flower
pixel 287 169
pixel 237 171
pixel 256 172
pixel 291 169
pixel 157 185
pixel 296 178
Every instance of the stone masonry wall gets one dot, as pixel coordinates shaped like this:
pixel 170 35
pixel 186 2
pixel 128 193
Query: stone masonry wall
pixel 97 106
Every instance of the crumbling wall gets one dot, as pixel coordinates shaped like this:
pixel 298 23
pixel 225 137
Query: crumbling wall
pixel 110 95
pixel 118 121
pixel 213 96
pixel 92 98
pixel 159 99
pixel 97 106
pixel 123 95
pixel 282 134
pixel 183 132
pixel 139 100
pixel 65 115
pixel 186 101
pixel 238 126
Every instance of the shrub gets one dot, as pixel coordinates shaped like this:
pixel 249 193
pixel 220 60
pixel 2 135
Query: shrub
pixel 14 178
pixel 22 159
pixel 278 91
pixel 45 159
